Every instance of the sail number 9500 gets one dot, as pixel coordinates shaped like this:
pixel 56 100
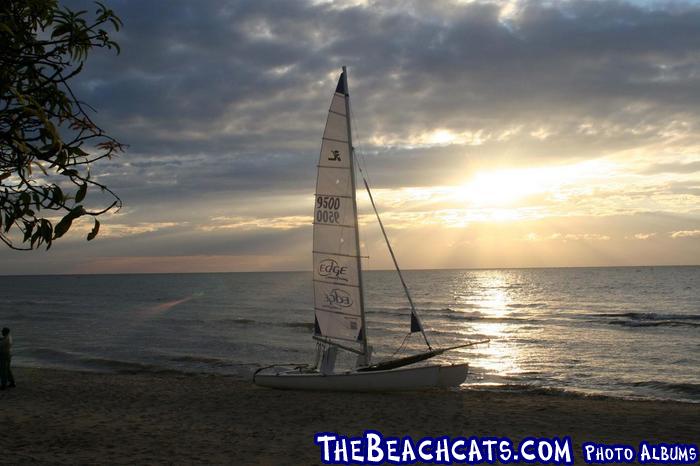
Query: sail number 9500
pixel 332 204
pixel 327 202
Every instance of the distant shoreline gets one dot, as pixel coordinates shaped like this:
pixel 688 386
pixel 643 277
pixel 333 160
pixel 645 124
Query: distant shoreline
pixel 366 270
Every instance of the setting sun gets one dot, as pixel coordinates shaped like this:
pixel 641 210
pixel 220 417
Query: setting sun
pixel 512 186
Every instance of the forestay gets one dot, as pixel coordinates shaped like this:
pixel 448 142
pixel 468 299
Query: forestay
pixel 338 300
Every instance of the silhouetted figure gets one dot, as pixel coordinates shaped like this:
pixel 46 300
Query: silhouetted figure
pixel 5 360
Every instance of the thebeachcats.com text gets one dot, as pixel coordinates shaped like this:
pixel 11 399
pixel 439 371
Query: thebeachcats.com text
pixel 373 448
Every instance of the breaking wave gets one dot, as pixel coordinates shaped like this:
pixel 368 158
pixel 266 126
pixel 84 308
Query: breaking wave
pixel 684 388
pixel 652 319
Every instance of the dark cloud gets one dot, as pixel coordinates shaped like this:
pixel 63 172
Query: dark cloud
pixel 223 82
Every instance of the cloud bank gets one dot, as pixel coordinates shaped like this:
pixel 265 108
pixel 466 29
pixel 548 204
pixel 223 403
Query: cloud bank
pixel 223 104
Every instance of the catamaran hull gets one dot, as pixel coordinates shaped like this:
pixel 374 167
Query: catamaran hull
pixel 415 378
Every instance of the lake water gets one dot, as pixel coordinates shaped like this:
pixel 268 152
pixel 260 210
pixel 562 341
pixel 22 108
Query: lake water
pixel 624 332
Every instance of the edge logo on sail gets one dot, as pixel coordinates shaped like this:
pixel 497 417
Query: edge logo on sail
pixel 331 269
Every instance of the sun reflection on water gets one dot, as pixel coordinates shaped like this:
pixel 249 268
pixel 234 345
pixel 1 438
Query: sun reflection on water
pixel 489 295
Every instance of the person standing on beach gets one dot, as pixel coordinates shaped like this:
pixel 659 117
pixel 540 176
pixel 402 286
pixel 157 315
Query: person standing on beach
pixel 5 360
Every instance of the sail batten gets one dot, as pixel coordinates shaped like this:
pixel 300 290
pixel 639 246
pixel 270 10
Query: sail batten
pixel 337 280
pixel 336 312
pixel 336 254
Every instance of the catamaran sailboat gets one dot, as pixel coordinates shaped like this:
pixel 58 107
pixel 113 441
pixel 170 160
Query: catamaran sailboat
pixel 338 289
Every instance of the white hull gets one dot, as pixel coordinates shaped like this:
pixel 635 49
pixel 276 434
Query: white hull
pixel 415 378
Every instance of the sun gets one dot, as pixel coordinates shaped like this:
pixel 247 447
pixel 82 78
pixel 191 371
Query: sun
pixel 503 187
pixel 508 187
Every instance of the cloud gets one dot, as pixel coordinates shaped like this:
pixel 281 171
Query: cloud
pixel 224 84
pixel 112 229
pixel 685 234
pixel 582 237
pixel 674 167
pixel 253 223
pixel 223 104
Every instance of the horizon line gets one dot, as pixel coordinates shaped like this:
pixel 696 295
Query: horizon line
pixel 364 270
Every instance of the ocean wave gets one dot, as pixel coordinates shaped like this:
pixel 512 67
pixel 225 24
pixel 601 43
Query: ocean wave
pixel 460 316
pixel 187 364
pixel 533 390
pixel 492 320
pixel 50 353
pixel 90 362
pixel 656 323
pixel 27 302
pixel 44 316
pixel 206 360
pixel 512 286
pixel 646 319
pixel 243 321
pixel 181 320
pixel 120 366
pixel 239 320
pixel 305 325
pixel 685 388
pixel 648 316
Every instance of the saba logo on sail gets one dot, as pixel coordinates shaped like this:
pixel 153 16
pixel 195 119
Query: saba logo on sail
pixel 338 298
pixel 329 268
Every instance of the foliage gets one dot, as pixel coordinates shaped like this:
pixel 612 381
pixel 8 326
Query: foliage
pixel 47 140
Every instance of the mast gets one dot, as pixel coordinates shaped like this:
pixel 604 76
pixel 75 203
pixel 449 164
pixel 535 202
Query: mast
pixel 351 155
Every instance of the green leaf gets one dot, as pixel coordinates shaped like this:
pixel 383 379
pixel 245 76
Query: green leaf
pixel 36 236
pixel 46 231
pixel 28 227
pixel 82 191
pixel 25 200
pixel 57 195
pixel 8 221
pixel 64 225
pixel 94 231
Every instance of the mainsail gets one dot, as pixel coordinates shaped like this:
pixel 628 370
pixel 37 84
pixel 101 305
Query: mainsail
pixel 338 297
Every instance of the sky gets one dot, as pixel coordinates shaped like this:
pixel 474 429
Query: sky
pixel 495 134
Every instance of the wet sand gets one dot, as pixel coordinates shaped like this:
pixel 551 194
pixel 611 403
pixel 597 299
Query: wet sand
pixel 63 417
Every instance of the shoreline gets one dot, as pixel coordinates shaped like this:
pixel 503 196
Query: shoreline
pixel 131 368
pixel 71 417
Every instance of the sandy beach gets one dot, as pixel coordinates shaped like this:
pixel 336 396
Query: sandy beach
pixel 144 418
